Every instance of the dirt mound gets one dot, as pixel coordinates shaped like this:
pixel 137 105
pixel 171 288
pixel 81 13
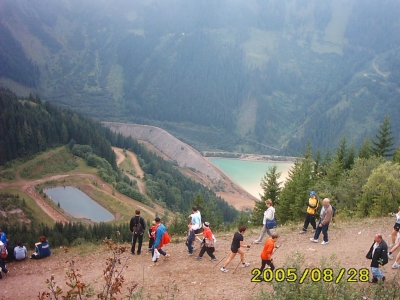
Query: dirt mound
pixel 175 149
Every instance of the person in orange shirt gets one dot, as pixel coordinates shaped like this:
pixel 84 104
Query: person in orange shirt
pixel 266 254
pixel 208 245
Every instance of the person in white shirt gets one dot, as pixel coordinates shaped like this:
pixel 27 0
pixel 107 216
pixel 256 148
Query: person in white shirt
pixel 396 228
pixel 269 214
pixel 20 251
pixel 196 220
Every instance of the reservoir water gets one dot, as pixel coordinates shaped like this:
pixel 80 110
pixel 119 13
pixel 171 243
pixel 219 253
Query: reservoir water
pixel 78 204
pixel 248 174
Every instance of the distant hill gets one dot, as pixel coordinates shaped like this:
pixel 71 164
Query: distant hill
pixel 263 75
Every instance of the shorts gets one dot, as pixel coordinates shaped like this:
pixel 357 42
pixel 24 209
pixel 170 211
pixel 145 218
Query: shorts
pixel 396 227
pixel 234 250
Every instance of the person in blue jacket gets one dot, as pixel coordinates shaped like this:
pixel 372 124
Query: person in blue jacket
pixel 160 230
pixel 42 249
pixel 3 237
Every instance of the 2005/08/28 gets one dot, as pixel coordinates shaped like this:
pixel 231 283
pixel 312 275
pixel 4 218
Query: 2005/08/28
pixel 315 275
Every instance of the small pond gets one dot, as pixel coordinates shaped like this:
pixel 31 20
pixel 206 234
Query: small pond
pixel 78 204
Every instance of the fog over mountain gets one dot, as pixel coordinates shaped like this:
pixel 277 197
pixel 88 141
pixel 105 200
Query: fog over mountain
pixel 237 75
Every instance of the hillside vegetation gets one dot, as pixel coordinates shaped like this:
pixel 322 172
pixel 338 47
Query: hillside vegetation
pixel 91 164
pixel 262 75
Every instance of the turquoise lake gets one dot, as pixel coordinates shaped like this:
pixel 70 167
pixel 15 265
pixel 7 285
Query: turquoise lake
pixel 78 204
pixel 248 174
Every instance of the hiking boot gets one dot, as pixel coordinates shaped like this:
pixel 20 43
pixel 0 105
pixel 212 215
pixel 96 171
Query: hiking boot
pixel 224 270
pixel 324 243
pixel 395 265
pixel 246 264
pixel 154 264
pixel 198 257
pixel 303 231
pixel 166 256
pixel 213 259
pixel 313 240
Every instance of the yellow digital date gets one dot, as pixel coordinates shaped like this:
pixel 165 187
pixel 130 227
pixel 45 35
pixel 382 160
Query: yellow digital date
pixel 314 275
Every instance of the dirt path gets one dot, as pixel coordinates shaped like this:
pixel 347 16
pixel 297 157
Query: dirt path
pixel 376 68
pixel 139 181
pixel 187 278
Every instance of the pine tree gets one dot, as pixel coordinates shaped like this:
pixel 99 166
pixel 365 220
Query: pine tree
pixel 383 145
pixel 365 149
pixel 297 188
pixel 271 188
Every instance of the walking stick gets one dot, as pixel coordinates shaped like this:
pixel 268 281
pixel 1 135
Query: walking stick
pixel 240 260
pixel 220 261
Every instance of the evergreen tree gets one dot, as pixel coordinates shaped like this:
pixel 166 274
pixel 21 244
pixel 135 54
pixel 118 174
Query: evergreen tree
pixel 365 149
pixel 396 155
pixel 296 190
pixel 383 145
pixel 271 188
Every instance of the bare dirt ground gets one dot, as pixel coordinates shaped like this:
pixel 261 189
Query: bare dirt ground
pixel 186 278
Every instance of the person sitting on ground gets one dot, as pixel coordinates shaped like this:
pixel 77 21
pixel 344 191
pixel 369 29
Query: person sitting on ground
pixel 208 245
pixel 20 251
pixel 42 248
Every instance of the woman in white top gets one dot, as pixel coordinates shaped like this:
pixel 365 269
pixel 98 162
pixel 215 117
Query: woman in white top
pixel 396 228
pixel 269 214
pixel 20 251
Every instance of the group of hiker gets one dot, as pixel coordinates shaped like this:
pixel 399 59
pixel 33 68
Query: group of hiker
pixel 378 252
pixel 158 237
pixel 19 252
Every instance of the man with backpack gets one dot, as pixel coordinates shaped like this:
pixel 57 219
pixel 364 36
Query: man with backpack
pixel 312 205
pixel 137 227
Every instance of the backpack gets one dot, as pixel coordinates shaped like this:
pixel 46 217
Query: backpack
pixel 165 239
pixel 138 229
pixel 3 251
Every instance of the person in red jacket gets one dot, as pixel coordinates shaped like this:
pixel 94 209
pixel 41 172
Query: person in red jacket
pixel 208 245
pixel 266 254
pixel 151 234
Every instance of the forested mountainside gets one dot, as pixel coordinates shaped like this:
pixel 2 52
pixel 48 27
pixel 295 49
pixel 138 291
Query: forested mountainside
pixel 259 75
pixel 29 126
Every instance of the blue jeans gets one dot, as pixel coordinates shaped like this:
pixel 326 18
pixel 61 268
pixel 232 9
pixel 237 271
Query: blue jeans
pixel 376 272
pixel 324 230
pixel 190 246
